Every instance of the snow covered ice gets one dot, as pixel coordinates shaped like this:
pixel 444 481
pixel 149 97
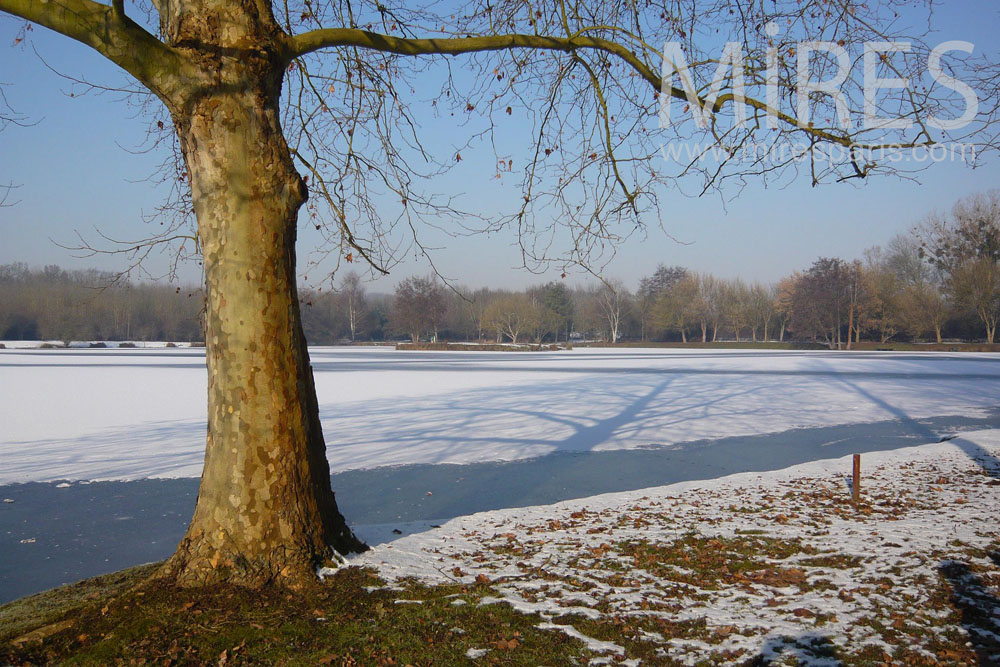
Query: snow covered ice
pixel 133 414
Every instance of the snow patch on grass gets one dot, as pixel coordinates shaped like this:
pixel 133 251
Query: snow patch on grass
pixel 781 566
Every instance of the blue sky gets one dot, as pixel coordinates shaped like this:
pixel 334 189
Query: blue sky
pixel 76 173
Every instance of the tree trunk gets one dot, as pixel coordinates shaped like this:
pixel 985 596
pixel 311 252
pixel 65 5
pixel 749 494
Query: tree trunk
pixel 704 332
pixel 265 509
pixel 781 335
pixel 937 331
pixel 850 326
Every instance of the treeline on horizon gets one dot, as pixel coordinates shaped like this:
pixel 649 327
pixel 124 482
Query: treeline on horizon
pixel 942 281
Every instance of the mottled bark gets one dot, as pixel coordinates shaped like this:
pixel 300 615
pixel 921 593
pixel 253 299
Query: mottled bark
pixel 265 508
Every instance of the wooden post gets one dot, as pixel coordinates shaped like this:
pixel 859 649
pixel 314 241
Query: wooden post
pixel 856 481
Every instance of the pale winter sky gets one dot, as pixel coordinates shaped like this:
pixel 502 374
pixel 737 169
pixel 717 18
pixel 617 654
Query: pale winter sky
pixel 77 170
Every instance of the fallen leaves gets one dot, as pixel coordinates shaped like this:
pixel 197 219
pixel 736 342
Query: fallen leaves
pixel 785 551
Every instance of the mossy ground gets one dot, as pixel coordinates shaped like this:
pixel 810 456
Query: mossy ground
pixel 354 618
pixel 351 618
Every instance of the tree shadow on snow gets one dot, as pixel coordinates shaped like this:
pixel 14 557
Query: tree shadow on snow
pixel 81 530
pixel 419 492
pixel 979 606
pixel 986 459
pixel 805 649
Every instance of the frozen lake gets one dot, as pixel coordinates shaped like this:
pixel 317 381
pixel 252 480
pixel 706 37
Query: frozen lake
pixel 478 430
pixel 133 414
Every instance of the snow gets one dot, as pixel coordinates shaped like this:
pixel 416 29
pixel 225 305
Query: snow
pixel 928 512
pixel 925 509
pixel 121 414
pixel 476 653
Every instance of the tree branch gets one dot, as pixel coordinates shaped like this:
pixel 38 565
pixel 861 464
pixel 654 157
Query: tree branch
pixel 108 31
pixel 314 40
pixel 300 45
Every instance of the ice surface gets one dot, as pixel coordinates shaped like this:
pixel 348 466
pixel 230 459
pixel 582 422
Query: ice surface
pixel 137 413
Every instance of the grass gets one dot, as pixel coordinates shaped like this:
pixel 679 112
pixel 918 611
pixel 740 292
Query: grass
pixel 354 618
pixel 713 562
pixel 350 619
pixel 34 611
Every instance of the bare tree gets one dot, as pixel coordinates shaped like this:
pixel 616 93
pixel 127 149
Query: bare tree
pixel 712 288
pixel 613 300
pixel 760 309
pixel 971 232
pixel 976 285
pixel 922 305
pixel 882 291
pixel 586 80
pixel 924 308
pixel 651 290
pixel 782 295
pixel 543 320
pixel 851 280
pixel 511 314
pixel 903 256
pixel 700 308
pixel 476 306
pixel 419 307
pixel 353 292
pixel 734 298
pixel 557 298
pixel 966 247
pixel 677 306
pixel 821 301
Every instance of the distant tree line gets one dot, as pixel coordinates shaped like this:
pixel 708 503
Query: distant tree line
pixel 940 281
pixel 54 304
